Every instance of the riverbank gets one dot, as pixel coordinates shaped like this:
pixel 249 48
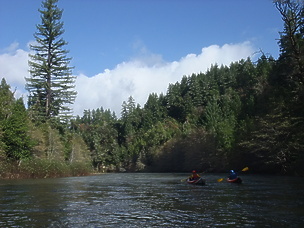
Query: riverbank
pixel 42 168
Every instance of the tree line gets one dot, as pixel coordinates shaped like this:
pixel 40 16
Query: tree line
pixel 249 113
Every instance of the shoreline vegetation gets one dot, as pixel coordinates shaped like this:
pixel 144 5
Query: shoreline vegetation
pixel 42 168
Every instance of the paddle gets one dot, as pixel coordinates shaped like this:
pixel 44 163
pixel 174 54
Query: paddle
pixel 220 180
pixel 184 180
pixel 243 170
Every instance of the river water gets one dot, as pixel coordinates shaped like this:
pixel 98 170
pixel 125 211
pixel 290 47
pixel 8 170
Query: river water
pixel 152 200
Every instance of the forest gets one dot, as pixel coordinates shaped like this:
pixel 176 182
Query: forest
pixel 249 113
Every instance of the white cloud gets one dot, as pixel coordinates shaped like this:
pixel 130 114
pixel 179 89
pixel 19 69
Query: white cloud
pixel 138 77
pixel 14 68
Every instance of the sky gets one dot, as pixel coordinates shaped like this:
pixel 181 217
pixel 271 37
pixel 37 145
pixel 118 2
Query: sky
pixel 123 48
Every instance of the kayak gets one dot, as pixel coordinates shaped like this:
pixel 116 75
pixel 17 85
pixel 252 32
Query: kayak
pixel 199 181
pixel 236 180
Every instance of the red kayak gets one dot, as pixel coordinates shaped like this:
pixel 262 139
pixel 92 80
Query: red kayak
pixel 236 180
pixel 199 181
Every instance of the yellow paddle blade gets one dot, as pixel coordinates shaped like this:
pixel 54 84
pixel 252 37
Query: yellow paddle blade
pixel 221 179
pixel 245 169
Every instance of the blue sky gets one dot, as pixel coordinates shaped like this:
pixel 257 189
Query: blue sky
pixel 123 48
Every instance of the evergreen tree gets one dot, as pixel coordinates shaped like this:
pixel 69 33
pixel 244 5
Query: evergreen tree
pixel 51 84
pixel 6 100
pixel 153 109
pixel 15 142
pixel 292 37
pixel 16 133
pixel 6 103
pixel 175 104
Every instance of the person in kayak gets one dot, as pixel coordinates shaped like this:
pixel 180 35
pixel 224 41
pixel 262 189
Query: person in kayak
pixel 232 175
pixel 194 176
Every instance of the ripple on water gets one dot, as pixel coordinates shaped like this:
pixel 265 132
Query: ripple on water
pixel 150 200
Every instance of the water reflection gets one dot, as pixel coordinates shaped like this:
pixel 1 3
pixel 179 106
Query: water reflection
pixel 151 200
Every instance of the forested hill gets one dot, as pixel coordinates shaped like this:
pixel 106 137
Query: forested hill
pixel 245 114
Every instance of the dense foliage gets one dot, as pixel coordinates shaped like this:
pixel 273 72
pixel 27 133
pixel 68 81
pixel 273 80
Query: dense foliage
pixel 245 114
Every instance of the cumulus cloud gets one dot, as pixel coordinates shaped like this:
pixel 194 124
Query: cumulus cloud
pixel 137 78
pixel 14 68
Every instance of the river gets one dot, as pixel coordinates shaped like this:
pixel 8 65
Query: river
pixel 152 200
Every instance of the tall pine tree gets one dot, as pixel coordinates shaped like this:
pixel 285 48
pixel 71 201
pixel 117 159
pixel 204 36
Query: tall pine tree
pixel 51 84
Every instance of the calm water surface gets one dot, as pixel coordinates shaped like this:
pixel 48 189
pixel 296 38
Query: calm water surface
pixel 152 200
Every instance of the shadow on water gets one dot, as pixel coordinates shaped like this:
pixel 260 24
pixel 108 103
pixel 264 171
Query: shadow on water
pixel 152 200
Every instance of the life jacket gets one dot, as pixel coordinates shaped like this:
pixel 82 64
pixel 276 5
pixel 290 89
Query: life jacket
pixel 194 176
pixel 233 176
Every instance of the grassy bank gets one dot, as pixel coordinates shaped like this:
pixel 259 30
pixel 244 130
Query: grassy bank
pixel 41 168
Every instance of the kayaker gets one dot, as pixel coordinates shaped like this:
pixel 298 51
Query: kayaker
pixel 232 175
pixel 194 176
